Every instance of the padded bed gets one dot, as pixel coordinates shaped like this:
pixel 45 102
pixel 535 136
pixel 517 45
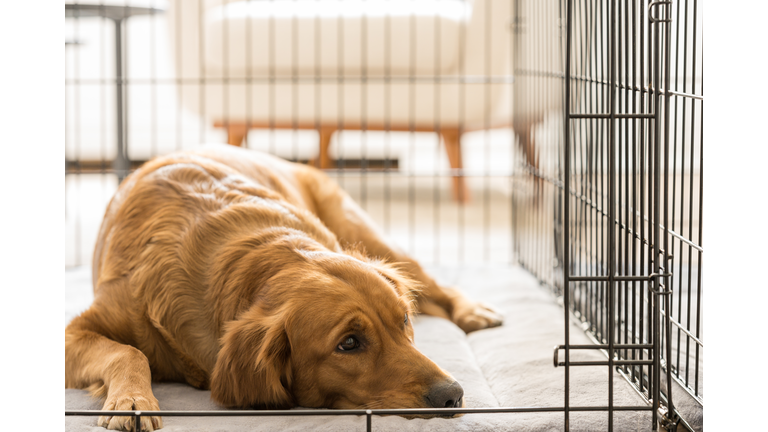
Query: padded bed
pixel 506 366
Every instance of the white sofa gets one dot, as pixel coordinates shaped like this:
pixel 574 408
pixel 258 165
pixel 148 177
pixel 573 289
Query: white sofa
pixel 328 65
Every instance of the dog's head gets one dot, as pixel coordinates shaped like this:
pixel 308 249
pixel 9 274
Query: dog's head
pixel 331 330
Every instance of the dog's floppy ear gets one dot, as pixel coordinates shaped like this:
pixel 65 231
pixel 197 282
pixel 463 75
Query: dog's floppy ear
pixel 252 368
pixel 405 286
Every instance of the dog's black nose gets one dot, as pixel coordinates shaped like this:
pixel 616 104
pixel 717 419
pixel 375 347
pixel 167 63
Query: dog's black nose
pixel 447 394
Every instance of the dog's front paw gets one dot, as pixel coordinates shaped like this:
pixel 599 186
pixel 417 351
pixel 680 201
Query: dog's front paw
pixel 476 316
pixel 130 401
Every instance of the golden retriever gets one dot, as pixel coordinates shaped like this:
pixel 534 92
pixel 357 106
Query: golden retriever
pixel 258 279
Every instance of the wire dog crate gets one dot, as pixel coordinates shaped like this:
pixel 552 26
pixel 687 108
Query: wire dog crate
pixel 625 189
pixel 581 131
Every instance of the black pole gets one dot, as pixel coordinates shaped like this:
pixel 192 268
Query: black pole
pixel 566 214
pixel 120 164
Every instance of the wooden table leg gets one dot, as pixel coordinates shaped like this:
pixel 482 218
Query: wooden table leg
pixel 452 139
pixel 325 143
pixel 236 133
pixel 323 159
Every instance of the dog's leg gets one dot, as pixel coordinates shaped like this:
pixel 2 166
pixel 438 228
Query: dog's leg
pixel 352 225
pixel 120 372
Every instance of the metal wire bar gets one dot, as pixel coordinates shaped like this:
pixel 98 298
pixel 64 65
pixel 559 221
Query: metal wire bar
pixel 587 79
pixel 566 208
pixel 610 363
pixel 343 412
pixel 368 413
pixel 612 116
pixel 604 346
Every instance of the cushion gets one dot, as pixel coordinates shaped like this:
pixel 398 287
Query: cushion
pixel 509 365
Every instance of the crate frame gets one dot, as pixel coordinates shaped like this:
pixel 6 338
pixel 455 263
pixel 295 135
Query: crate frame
pixel 558 236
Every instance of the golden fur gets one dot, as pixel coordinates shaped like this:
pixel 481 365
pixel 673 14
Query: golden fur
pixel 241 273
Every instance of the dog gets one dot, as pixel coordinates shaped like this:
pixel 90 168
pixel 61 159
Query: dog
pixel 261 280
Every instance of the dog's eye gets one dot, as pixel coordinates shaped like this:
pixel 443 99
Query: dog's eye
pixel 349 344
pixel 406 319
